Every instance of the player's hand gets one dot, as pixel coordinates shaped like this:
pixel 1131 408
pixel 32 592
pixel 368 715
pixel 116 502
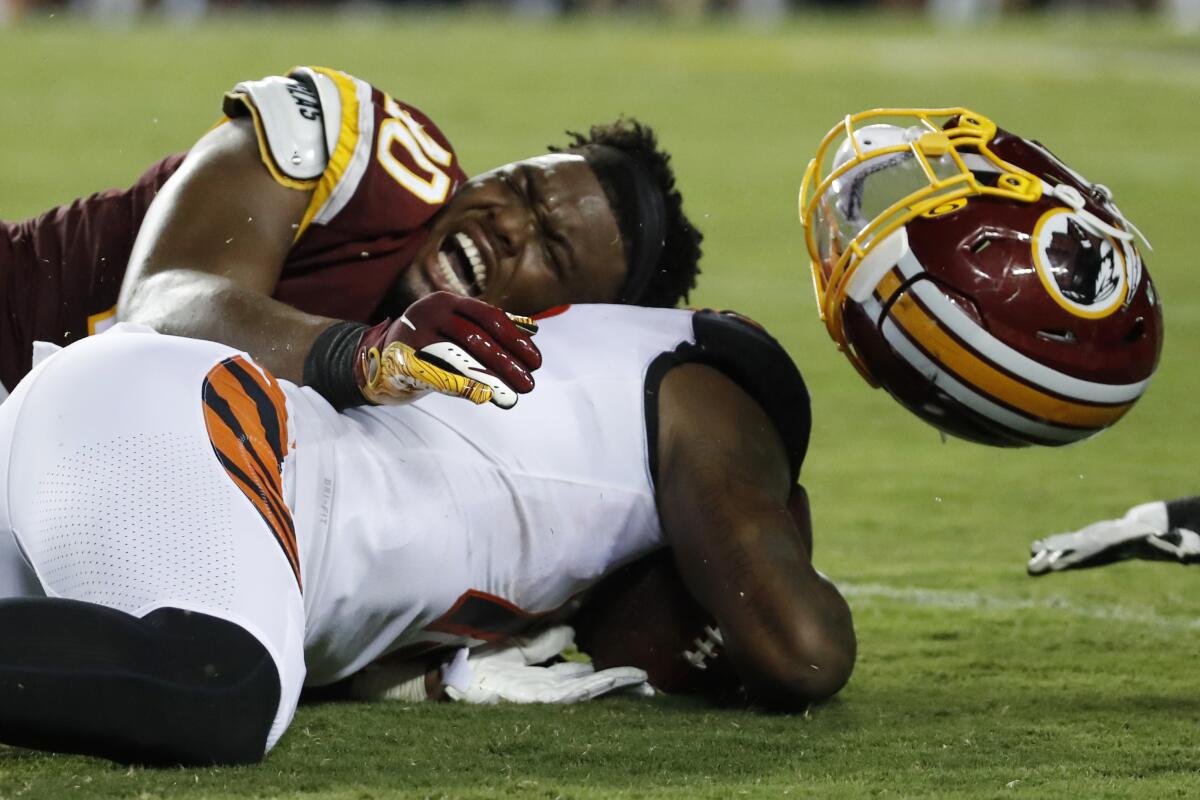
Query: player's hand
pixel 451 344
pixel 510 674
pixel 1140 534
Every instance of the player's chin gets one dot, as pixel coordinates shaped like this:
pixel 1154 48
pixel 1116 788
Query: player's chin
pixel 507 301
pixel 417 282
pixel 412 285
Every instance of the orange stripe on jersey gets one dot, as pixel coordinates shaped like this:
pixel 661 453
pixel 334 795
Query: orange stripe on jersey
pixel 246 416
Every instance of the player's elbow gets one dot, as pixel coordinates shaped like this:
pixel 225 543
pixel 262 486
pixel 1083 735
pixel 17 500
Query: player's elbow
pixel 811 676
pixel 144 296
pixel 809 662
pixel 179 301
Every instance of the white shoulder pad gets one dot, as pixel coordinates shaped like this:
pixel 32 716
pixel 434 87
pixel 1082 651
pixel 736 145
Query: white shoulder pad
pixel 289 117
pixel 331 104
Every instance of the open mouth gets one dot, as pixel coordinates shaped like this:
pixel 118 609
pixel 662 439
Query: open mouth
pixel 461 266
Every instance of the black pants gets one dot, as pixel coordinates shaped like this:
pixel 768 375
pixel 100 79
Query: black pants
pixel 173 687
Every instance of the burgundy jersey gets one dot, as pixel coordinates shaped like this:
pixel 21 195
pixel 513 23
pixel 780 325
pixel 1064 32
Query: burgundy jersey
pixel 62 271
pixel 387 171
pixel 378 169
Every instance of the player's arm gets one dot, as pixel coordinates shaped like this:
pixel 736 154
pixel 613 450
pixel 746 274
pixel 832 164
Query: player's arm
pixel 210 251
pixel 209 255
pixel 1157 531
pixel 723 484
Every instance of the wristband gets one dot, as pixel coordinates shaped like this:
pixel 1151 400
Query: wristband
pixel 330 363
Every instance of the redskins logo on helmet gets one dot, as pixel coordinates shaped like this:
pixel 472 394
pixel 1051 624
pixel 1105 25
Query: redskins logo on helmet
pixel 991 289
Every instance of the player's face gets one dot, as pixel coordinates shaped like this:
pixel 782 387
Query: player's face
pixel 525 237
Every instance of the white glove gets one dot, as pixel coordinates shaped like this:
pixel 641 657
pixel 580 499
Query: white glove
pixel 1141 534
pixel 508 673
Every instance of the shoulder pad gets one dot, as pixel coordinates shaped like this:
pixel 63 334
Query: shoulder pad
pixel 330 99
pixel 749 356
pixel 288 116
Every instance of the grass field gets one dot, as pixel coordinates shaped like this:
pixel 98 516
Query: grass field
pixel 973 680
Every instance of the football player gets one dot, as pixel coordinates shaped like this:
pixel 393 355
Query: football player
pixel 196 542
pixel 321 200
pixel 1157 531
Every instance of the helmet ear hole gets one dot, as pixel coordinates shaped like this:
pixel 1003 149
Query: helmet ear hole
pixel 984 238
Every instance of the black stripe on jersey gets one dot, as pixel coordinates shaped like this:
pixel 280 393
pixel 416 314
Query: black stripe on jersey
pixel 272 502
pixel 282 526
pixel 220 407
pixel 266 408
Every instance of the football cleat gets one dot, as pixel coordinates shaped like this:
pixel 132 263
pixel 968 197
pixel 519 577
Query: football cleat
pixel 991 289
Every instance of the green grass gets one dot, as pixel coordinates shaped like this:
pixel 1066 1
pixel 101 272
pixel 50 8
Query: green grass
pixel 973 680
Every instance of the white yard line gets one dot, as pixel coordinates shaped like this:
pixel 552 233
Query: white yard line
pixel 977 601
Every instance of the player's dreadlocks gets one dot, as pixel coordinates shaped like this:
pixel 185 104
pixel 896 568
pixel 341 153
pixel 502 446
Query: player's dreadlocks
pixel 662 247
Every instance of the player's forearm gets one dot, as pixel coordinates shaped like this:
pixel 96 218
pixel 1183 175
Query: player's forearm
pixel 204 306
pixel 724 483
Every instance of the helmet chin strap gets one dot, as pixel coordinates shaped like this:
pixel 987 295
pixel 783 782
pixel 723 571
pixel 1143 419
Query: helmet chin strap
pixel 1072 197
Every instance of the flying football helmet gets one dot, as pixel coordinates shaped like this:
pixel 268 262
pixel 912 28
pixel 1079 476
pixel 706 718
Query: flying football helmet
pixel 990 288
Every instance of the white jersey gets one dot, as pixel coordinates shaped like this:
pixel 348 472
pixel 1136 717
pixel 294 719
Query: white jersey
pixel 442 523
pixel 195 480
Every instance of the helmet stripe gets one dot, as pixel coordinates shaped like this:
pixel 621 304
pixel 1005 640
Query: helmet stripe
pixel 963 361
pixel 1012 420
pixel 966 330
pixel 1019 425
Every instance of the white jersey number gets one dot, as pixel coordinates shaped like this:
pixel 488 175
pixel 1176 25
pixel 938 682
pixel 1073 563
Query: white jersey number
pixel 428 155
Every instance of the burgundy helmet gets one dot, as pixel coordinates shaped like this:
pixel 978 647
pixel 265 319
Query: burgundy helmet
pixel 991 289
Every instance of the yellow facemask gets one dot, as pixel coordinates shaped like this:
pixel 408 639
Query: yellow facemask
pixel 879 169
